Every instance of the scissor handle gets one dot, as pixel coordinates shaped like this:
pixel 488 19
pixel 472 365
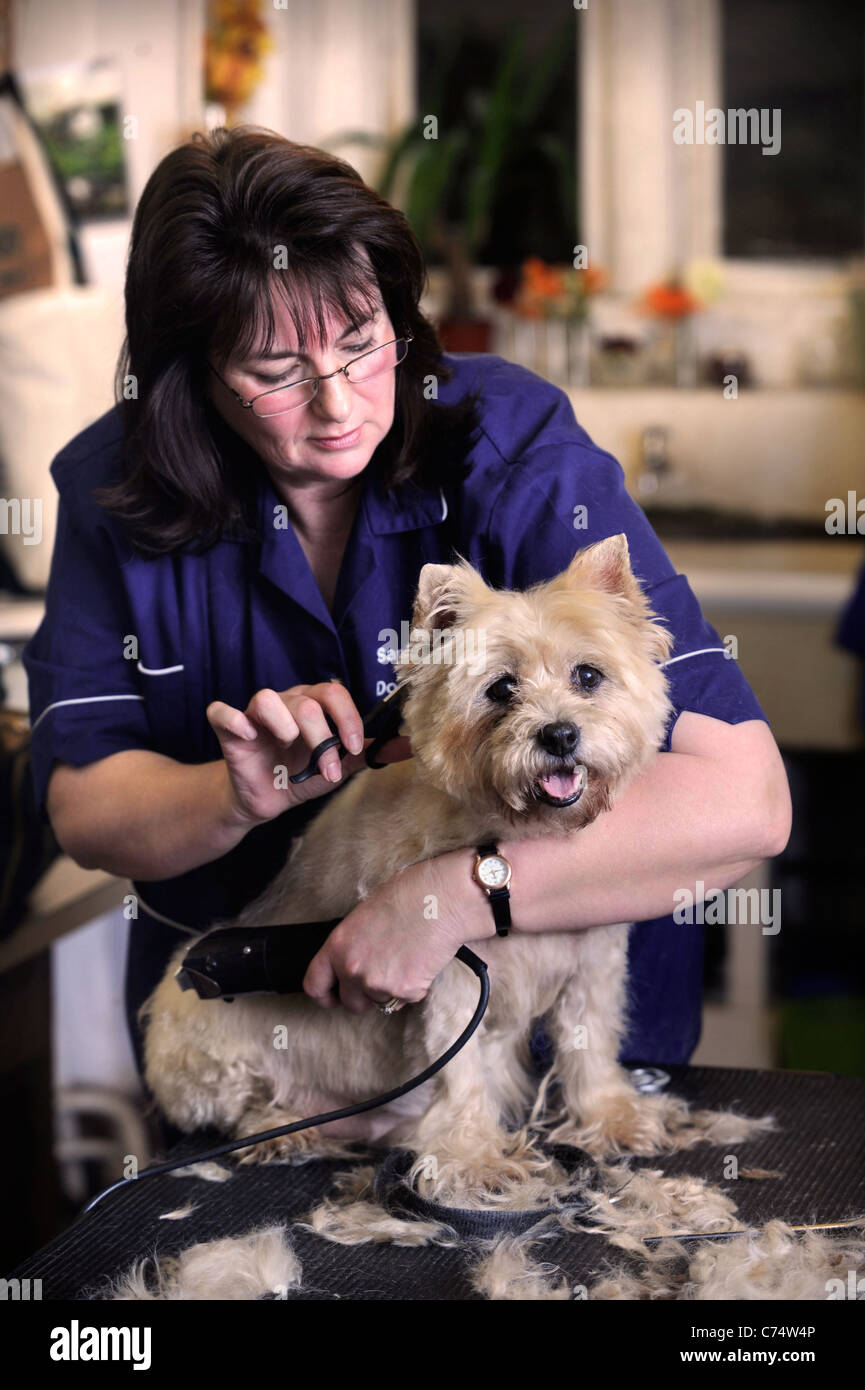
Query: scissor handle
pixel 312 766
pixel 390 702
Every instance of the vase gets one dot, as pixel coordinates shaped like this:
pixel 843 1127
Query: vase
pixel 674 354
pixel 685 352
pixel 556 351
pixel 579 354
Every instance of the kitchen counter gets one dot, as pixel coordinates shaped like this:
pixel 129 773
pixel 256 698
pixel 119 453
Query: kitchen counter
pixel 804 577
pixel 782 601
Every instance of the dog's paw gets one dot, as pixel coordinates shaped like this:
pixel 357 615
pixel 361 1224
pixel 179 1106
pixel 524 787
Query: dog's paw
pixel 621 1124
pixel 627 1122
pixel 508 1172
pixel 299 1147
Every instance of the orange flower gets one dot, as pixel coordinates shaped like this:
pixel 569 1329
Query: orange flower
pixel 540 278
pixel 553 291
pixel 594 279
pixel 669 301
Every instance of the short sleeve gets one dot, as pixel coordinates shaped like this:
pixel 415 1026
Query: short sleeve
pixel 563 496
pixel 84 696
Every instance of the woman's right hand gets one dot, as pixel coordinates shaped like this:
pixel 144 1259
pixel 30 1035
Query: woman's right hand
pixel 280 731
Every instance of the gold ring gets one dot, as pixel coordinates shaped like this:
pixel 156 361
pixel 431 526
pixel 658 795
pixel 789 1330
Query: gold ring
pixel 390 1007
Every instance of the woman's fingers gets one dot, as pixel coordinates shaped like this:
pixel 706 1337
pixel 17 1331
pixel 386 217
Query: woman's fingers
pixel 354 1000
pixel 226 720
pixel 346 988
pixel 314 730
pixel 300 714
pixel 266 710
pixel 309 705
pixel 297 714
pixel 342 709
pixel 333 698
pixel 322 983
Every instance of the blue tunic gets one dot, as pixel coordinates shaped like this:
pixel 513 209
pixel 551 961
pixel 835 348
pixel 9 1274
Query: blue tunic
pixel 248 614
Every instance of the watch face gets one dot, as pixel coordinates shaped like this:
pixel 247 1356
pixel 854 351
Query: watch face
pixel 493 872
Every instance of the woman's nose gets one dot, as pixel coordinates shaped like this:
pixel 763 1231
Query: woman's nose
pixel 333 397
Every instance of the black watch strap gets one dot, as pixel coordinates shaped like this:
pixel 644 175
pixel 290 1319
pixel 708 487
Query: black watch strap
pixel 500 898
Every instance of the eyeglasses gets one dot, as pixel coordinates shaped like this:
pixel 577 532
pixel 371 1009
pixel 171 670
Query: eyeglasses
pixel 283 398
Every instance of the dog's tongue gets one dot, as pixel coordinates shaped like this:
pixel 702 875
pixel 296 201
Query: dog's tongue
pixel 563 784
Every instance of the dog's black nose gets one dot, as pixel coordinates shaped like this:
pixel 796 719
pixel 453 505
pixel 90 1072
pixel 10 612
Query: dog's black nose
pixel 560 739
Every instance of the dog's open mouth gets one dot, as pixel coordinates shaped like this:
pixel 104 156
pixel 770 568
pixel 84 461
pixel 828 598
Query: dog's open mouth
pixel 561 788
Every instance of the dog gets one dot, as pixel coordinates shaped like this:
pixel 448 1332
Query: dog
pixel 569 704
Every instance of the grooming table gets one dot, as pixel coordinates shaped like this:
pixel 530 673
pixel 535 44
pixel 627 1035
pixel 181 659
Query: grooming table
pixel 818 1149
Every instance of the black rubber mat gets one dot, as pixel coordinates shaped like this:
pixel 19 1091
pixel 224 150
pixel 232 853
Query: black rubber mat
pixel 818 1149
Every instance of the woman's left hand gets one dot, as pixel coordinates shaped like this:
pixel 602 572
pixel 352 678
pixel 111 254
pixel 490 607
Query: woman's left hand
pixel 389 946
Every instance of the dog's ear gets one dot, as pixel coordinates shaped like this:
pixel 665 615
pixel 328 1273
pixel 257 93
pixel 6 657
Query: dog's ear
pixel 432 605
pixel 440 590
pixel 606 565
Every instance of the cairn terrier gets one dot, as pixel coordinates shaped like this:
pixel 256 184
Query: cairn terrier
pixel 570 705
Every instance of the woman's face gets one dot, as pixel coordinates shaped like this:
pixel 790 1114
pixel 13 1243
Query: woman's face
pixel 291 445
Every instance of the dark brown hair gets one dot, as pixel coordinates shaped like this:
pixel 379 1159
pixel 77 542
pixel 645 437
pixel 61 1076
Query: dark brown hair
pixel 217 215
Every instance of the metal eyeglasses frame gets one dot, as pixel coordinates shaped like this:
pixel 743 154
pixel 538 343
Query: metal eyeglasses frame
pixel 317 380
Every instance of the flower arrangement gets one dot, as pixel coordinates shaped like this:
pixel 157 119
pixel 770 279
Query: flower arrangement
pixel 550 291
pixel 669 300
pixel 683 294
pixel 235 41
pixel 673 303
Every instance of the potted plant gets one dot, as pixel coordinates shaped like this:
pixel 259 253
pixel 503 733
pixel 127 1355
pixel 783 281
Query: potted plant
pixel 673 304
pixel 553 300
pixel 451 177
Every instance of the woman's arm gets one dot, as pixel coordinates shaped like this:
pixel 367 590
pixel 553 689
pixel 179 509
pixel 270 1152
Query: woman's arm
pixel 710 810
pixel 141 815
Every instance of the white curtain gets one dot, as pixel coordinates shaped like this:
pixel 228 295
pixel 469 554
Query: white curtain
pixel 338 65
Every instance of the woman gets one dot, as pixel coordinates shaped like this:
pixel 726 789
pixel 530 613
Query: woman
pixel 266 494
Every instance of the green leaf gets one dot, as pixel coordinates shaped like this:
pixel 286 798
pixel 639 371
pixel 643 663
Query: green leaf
pixel 430 180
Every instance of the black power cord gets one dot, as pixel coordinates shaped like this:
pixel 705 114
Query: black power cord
pixel 468 958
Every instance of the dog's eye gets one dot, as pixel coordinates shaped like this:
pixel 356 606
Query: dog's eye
pixel 587 677
pixel 503 690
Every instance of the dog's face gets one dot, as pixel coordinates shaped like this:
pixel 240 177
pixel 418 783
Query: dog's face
pixel 540 705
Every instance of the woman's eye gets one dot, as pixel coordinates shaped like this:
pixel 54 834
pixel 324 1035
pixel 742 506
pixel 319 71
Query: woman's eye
pixel 587 677
pixel 502 690
pixel 354 350
pixel 278 380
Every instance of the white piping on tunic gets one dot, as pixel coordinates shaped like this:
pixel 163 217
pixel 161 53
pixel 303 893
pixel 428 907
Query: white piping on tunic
pixel 81 700
pixel 444 505
pixel 685 655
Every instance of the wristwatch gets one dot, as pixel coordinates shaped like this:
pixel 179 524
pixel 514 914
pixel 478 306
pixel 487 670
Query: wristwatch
pixel 493 872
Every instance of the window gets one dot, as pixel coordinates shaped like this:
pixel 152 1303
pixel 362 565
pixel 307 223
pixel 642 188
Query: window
pixel 532 204
pixel 808 61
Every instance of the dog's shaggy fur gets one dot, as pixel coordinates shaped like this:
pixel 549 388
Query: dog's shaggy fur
pixel 762 1262
pixel 771 1262
pixel 571 704
pixel 246 1267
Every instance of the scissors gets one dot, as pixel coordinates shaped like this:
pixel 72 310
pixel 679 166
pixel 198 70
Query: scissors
pixel 391 703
